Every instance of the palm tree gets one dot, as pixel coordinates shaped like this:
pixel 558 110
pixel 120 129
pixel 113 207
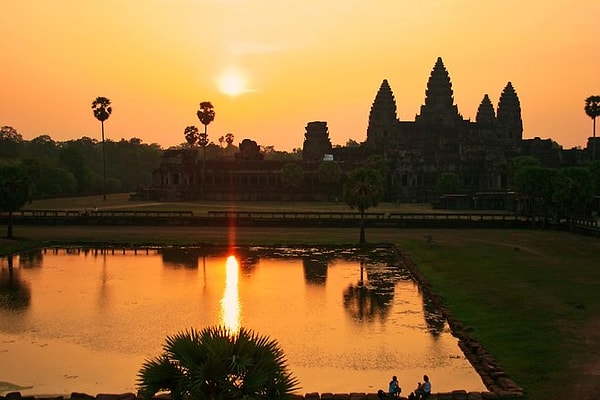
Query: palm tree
pixel 592 109
pixel 363 189
pixel 206 115
pixel 102 110
pixel 229 139
pixel 218 364
pixel 191 135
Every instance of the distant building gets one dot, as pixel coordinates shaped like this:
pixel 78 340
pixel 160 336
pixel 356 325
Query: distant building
pixel 414 153
pixel 440 140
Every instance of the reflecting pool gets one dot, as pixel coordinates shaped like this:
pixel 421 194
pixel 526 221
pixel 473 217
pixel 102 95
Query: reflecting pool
pixel 84 320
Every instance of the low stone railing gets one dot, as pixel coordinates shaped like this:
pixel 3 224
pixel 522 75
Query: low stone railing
pixel 454 395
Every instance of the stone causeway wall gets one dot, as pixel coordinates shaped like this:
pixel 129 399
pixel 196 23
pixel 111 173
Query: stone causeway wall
pixel 496 380
pixel 454 395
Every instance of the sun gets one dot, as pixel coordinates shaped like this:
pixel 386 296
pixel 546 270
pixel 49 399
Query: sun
pixel 232 83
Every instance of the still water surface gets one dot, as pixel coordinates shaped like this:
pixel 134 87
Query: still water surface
pixel 85 320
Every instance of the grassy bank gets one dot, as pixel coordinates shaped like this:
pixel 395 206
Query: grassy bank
pixel 531 297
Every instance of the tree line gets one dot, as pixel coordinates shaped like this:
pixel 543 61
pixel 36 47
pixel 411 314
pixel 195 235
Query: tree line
pixel 76 167
pixel 555 193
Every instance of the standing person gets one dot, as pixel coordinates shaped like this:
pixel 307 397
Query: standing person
pixel 394 387
pixel 423 390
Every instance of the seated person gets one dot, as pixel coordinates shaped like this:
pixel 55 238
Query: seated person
pixel 423 390
pixel 394 387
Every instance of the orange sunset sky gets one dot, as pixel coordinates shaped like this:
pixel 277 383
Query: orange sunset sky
pixel 271 66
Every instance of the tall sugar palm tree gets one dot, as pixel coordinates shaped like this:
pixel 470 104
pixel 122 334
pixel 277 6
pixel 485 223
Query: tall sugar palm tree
pixel 102 110
pixel 216 363
pixel 363 189
pixel 592 109
pixel 229 139
pixel 191 134
pixel 206 115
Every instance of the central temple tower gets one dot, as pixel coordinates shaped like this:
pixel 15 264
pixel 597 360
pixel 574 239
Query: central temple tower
pixel 439 107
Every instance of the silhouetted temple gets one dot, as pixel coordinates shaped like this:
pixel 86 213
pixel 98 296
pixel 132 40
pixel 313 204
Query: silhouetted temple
pixel 441 140
pixel 414 153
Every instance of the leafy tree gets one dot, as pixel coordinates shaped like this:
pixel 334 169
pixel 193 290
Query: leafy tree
pixel 380 163
pixel 102 110
pixel 278 155
pixel 133 163
pixel 228 149
pixel 72 159
pixel 592 109
pixel 535 187
pixel 10 142
pixel 292 177
pixel 520 162
pixel 33 169
pixel 352 143
pixel 594 169
pixel 206 115
pixel 129 165
pixel 330 173
pixel 41 148
pixel 10 133
pixel 218 364
pixel 448 183
pixel 363 189
pixel 267 150
pixel 377 162
pixel 55 181
pixel 113 185
pixel 192 135
pixel 573 191
pixel 14 191
pixel 213 151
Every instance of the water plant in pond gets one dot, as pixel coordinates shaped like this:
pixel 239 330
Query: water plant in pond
pixel 216 363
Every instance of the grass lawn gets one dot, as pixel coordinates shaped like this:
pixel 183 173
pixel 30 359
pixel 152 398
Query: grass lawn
pixel 532 298
pixel 121 201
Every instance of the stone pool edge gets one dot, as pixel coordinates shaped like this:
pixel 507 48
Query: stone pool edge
pixel 454 395
pixel 495 379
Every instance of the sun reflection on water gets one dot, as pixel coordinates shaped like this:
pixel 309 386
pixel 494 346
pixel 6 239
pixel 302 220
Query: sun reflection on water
pixel 230 303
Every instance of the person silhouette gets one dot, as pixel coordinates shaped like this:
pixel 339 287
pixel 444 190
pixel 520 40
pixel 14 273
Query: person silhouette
pixel 394 388
pixel 423 390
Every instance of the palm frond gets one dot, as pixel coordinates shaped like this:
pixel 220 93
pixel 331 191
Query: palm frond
pixel 158 375
pixel 216 363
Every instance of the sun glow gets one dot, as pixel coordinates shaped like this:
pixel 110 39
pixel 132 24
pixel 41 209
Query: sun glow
pixel 232 83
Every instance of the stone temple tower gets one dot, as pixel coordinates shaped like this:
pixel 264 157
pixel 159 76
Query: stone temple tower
pixel 382 118
pixel 316 141
pixel 439 107
pixel 509 114
pixel 486 116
